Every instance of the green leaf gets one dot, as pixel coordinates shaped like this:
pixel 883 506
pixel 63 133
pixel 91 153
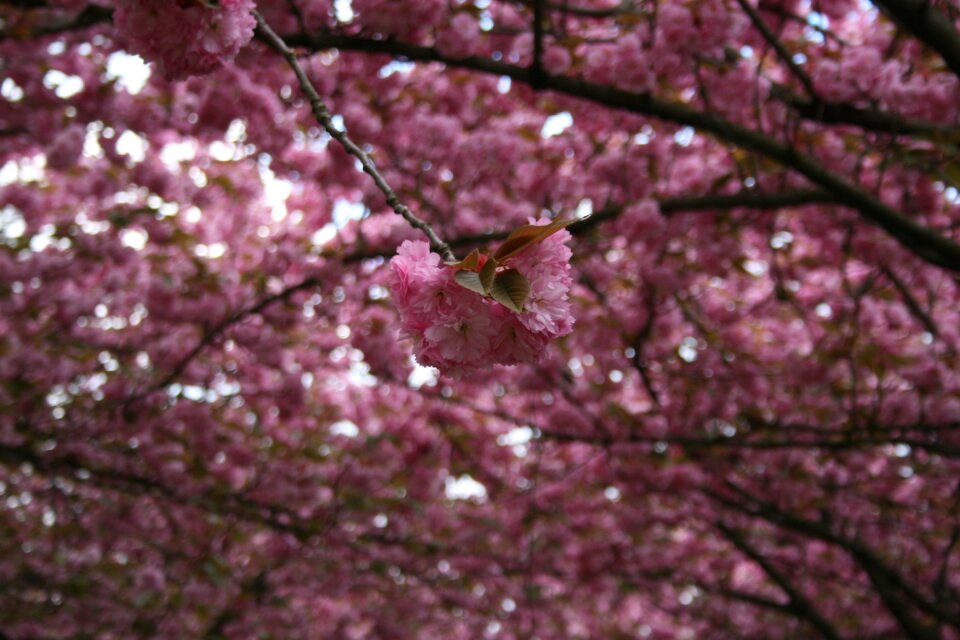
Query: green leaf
pixel 470 280
pixel 487 274
pixel 527 235
pixel 511 289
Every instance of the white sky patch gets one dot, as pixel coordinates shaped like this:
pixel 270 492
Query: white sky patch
pixel 645 136
pixel 514 437
pixel 344 211
pixel 756 268
pixel 275 193
pixel 12 224
pixel 91 227
pixel 819 20
pixel 465 488
pixel 688 349
pixel 395 66
pixel 133 146
pixel 359 374
pixel 10 90
pixel 343 10
pixel 9 173
pixel 323 235
pixel 91 142
pixel 486 20
pixel 421 376
pixel 64 86
pixel 345 428
pixel 174 153
pixel 231 147
pixel 517 439
pixel 133 238
pixel 584 209
pixel 212 251
pixel 23 170
pixel 236 132
pixel 901 450
pixel 222 151
pixel 684 137
pixel 130 72
pixel 781 239
pixel 556 124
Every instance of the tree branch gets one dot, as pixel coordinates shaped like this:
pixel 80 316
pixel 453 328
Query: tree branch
pixel 799 604
pixel 911 301
pixel 774 42
pixel 323 117
pixel 210 335
pixel 536 66
pixel 123 482
pixel 916 238
pixel 866 119
pixel 928 25
pixel 886 580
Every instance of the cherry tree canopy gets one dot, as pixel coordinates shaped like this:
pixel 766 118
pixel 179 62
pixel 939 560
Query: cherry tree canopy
pixel 723 403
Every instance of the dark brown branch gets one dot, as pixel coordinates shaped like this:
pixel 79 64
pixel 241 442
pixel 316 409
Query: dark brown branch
pixel 89 16
pixel 918 239
pixel 799 605
pixel 539 18
pixel 922 19
pixel 890 585
pixel 625 7
pixel 866 119
pixel 746 199
pixel 691 442
pixel 123 482
pixel 911 301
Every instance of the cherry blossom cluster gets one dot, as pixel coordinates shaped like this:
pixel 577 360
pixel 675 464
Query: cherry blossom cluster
pixel 209 425
pixel 457 329
pixel 186 37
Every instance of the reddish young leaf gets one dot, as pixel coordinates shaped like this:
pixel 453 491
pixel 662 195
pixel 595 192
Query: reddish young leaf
pixel 527 235
pixel 470 263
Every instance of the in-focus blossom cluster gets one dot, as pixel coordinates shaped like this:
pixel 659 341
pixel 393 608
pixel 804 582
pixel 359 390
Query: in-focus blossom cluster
pixel 187 37
pixel 457 330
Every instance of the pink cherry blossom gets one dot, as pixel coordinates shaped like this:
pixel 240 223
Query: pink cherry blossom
pixel 458 330
pixel 187 37
pixel 241 397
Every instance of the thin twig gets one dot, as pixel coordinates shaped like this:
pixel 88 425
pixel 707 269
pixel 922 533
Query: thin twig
pixel 323 117
pixel 774 42
pixel 911 301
